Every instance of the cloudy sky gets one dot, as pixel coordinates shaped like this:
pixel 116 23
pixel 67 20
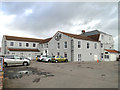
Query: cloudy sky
pixel 43 20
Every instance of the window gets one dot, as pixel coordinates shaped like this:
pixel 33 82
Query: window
pixel 65 44
pixel 20 44
pixel 79 57
pixel 106 56
pixel 58 53
pixel 106 52
pixel 47 45
pixel 58 45
pixel 65 54
pixel 41 45
pixel 27 44
pixel 88 45
pixel 101 55
pixel 34 45
pixel 95 45
pixel 79 44
pixel 11 43
pixel 101 45
pixel 102 37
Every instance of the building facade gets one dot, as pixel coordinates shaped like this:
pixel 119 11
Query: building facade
pixel 27 47
pixel 88 46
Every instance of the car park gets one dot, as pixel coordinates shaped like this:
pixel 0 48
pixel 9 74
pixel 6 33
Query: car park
pixel 16 60
pixel 59 59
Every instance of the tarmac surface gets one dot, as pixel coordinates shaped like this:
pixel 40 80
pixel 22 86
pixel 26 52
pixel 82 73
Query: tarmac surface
pixel 62 75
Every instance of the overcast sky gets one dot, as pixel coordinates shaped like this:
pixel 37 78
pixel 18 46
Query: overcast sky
pixel 43 20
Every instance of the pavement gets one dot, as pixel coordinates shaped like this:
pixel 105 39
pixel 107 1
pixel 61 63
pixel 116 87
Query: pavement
pixel 62 75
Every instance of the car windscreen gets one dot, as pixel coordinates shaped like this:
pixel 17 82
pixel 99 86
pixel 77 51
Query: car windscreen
pixel 49 56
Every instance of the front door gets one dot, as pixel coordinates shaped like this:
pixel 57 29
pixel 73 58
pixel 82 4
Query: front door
pixel 79 57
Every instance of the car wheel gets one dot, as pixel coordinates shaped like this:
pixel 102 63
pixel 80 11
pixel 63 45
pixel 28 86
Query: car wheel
pixel 66 60
pixel 56 61
pixel 5 64
pixel 48 60
pixel 25 64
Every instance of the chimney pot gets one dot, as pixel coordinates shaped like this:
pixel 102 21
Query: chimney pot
pixel 83 31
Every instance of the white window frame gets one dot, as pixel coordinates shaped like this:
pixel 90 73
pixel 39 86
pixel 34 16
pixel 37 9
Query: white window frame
pixel 58 45
pixel 11 43
pixel 26 45
pixel 20 44
pixel 66 54
pixel 79 57
pixel 79 44
pixel 88 45
pixel 101 45
pixel 65 45
pixel 34 44
pixel 95 45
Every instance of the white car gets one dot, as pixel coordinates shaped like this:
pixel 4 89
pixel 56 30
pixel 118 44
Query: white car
pixel 40 58
pixel 47 59
pixel 15 60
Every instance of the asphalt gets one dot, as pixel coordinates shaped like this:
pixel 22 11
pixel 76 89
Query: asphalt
pixel 62 75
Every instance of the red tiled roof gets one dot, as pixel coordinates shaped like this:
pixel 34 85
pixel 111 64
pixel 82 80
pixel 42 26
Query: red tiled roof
pixel 77 36
pixel 28 50
pixel 45 40
pixel 22 39
pixel 112 51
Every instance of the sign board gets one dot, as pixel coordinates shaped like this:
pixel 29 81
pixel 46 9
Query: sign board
pixel 1 63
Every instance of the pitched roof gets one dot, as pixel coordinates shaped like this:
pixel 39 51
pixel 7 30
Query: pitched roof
pixel 112 51
pixel 28 50
pixel 45 40
pixel 77 36
pixel 94 32
pixel 22 39
pixel 95 37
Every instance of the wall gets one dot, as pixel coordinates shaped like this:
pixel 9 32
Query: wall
pixel 108 43
pixel 53 47
pixel 16 45
pixel 86 54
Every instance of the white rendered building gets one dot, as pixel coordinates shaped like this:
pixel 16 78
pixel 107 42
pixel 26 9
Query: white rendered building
pixel 88 46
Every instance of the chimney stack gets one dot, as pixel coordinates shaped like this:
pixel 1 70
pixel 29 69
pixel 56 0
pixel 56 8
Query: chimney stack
pixel 83 31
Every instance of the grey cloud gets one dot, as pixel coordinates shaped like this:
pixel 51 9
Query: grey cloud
pixel 47 17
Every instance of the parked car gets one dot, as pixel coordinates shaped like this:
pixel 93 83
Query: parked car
pixel 40 57
pixel 15 60
pixel 59 59
pixel 47 59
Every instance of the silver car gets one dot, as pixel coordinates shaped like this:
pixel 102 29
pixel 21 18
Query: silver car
pixel 15 60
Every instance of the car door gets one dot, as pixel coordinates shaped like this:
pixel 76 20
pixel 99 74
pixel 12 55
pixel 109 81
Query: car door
pixel 57 58
pixel 18 60
pixel 10 60
pixel 62 58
